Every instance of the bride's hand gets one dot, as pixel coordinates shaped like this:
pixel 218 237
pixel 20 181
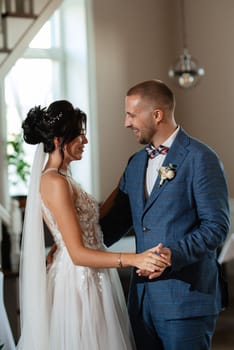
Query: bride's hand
pixel 164 253
pixel 154 260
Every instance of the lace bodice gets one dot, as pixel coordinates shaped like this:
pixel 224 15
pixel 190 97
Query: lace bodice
pixel 88 215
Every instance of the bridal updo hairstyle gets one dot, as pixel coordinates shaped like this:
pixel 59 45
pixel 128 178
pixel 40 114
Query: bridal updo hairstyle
pixel 60 120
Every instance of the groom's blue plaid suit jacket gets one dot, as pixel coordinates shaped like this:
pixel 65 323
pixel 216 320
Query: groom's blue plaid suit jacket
pixel 190 215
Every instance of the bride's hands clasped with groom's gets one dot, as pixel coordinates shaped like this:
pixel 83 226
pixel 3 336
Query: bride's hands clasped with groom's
pixel 162 260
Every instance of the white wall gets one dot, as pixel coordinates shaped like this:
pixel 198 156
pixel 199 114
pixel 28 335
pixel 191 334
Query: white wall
pixel 136 40
pixel 207 111
pixel 75 81
pixel 131 40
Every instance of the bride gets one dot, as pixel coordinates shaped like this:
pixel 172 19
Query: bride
pixel 77 301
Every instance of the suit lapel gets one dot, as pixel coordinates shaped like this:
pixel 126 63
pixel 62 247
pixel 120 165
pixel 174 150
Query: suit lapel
pixel 140 172
pixel 176 155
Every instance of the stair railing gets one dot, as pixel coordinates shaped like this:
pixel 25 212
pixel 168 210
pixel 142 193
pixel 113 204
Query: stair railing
pixel 13 8
pixel 17 8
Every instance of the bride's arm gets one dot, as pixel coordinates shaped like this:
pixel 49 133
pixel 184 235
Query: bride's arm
pixel 58 198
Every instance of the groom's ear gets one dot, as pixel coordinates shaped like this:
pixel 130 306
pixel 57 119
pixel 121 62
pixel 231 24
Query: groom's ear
pixel 158 115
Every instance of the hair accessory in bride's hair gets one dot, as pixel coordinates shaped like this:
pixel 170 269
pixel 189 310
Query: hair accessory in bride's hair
pixel 50 120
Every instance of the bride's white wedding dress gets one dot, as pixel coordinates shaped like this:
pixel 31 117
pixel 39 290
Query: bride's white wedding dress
pixel 87 305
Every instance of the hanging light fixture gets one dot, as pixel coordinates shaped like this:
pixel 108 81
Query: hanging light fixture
pixel 185 71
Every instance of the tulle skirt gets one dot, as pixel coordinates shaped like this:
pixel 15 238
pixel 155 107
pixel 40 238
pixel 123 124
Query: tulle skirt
pixel 87 308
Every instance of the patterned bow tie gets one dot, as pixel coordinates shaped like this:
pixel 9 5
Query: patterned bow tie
pixel 154 152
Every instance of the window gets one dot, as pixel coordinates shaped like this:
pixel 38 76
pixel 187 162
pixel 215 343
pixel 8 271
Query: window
pixel 31 82
pixel 53 67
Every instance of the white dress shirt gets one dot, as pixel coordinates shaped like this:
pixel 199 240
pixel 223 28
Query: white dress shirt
pixel 155 164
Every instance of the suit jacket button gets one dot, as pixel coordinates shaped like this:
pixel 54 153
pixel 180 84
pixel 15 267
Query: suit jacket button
pixel 145 229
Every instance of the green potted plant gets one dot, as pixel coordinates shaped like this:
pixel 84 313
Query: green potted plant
pixel 18 174
pixel 17 166
pixel 18 169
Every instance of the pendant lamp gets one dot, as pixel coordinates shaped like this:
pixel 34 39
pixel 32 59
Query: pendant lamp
pixel 185 71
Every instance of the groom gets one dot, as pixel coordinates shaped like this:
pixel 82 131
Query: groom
pixel 172 192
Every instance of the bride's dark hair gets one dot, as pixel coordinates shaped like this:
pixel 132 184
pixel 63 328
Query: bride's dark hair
pixel 60 120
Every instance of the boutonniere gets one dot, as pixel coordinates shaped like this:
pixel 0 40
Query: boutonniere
pixel 167 172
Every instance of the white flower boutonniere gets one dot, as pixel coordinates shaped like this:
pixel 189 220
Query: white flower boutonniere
pixel 167 173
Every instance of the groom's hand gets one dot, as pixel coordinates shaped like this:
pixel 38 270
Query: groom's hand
pixel 163 252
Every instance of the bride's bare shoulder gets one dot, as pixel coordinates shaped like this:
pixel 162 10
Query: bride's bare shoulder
pixel 53 182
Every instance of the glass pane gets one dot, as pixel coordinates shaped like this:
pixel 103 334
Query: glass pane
pixel 29 83
pixel 48 36
pixel 43 39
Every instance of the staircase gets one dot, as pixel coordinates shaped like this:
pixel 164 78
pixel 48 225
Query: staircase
pixel 20 20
